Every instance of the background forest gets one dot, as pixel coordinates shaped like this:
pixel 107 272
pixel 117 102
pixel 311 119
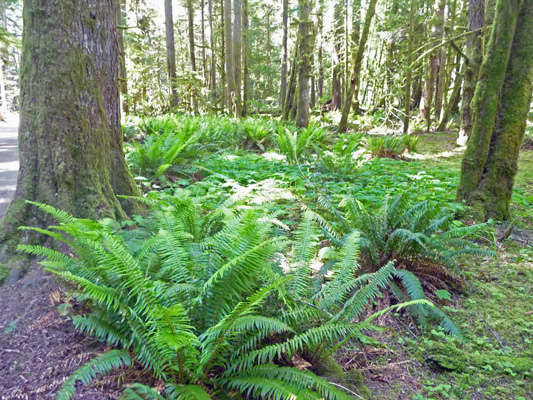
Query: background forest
pixel 298 199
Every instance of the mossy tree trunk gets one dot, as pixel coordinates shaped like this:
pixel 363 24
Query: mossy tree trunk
pixel 356 67
pixel 501 104
pixel 305 33
pixel 474 52
pixel 337 71
pixel 122 72
pixel 70 138
pixel 237 53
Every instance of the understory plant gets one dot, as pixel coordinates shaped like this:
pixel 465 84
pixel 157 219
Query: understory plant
pixel 391 147
pixel 200 301
pixel 295 144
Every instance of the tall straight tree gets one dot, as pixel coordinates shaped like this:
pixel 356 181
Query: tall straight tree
pixel 245 57
pixel 501 104
pixel 474 52
pixel 228 59
pixel 305 32
pixel 237 53
pixel 437 30
pixel 122 73
pixel 192 53
pixel 338 38
pixel 356 67
pixel 213 66
pixel 171 53
pixel 409 68
pixel 284 54
pixel 70 137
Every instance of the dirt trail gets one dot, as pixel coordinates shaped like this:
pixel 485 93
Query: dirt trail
pixel 39 348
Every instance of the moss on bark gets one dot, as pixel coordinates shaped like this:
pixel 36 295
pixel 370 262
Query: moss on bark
pixel 501 104
pixel 70 138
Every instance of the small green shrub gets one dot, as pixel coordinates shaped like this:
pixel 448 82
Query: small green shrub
pixel 295 144
pixel 391 147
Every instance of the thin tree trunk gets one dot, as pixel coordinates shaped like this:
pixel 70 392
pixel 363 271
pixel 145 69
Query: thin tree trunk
pixel 204 45
pixel 230 72
pixel 245 58
pixel 213 70
pixel 237 54
pixel 320 28
pixel 487 98
pixel 431 78
pixel 305 32
pixel 336 84
pixel 284 49
pixel 122 73
pixel 171 54
pixel 409 69
pixel 474 51
pixel 453 99
pixel 291 88
pixel 192 55
pixel 357 65
pixel 356 27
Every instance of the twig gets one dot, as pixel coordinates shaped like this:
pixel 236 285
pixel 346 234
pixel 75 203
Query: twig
pixel 312 305
pixel 494 333
pixel 346 389
pixel 388 365
pixel 11 351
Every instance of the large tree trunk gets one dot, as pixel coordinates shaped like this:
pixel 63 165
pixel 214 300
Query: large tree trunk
pixel 171 54
pixel 284 55
pixel 474 51
pixel 305 32
pixel 501 104
pixel 358 59
pixel 70 138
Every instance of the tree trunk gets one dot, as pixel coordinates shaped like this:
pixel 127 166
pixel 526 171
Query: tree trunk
pixel 338 35
pixel 409 69
pixel 305 32
pixel 192 55
pixel 122 73
pixel 453 99
pixel 228 52
pixel 171 54
pixel 70 138
pixel 237 53
pixel 354 40
pixel 474 51
pixel 434 58
pixel 213 66
pixel 291 88
pixel 284 54
pixel 204 44
pixel 501 104
pixel 320 28
pixel 245 58
pixel 358 59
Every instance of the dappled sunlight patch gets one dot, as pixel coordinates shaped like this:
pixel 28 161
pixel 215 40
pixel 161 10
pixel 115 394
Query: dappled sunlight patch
pixel 259 193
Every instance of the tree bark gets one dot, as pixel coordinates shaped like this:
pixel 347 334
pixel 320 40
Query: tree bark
pixel 122 72
pixel 245 58
pixel 453 99
pixel 474 52
pixel 358 59
pixel 409 69
pixel 237 53
pixel 192 55
pixel 284 54
pixel 228 52
pixel 338 35
pixel 70 137
pixel 305 32
pixel 434 58
pixel 171 54
pixel 213 66
pixel 501 103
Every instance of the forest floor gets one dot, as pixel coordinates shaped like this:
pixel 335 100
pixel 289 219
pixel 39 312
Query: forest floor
pixel 39 348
